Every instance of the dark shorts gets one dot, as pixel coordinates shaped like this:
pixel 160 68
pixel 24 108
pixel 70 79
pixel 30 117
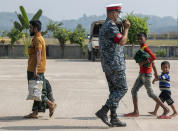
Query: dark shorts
pixel 166 96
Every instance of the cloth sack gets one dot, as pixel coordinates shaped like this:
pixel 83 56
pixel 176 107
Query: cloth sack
pixel 35 90
pixel 142 56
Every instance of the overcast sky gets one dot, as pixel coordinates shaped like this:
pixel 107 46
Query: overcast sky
pixel 73 9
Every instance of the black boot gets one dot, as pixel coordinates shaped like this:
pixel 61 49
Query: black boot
pixel 116 122
pixel 102 114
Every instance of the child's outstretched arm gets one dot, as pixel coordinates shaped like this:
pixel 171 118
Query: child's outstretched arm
pixel 152 55
pixel 155 73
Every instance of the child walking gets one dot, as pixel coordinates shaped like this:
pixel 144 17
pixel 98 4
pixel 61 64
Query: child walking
pixel 164 85
pixel 144 78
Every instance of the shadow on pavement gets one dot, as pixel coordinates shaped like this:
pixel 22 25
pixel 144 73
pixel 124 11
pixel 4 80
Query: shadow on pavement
pixel 141 117
pixel 75 60
pixel 78 118
pixel 85 118
pixel 72 60
pixel 18 128
pixel 11 118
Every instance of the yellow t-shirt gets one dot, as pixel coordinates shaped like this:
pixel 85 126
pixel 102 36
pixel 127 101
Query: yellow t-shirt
pixel 37 43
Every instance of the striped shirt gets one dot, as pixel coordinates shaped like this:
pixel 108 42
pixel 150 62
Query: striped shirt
pixel 164 81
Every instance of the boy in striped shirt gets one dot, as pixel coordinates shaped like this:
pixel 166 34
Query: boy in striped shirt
pixel 164 85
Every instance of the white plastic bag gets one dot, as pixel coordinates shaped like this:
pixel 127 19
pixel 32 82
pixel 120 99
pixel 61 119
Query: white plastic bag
pixel 35 90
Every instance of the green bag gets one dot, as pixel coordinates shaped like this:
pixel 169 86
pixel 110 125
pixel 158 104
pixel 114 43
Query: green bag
pixel 142 56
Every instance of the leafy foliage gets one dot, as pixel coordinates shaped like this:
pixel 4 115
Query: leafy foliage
pixel 18 26
pixel 26 40
pixel 62 35
pixel 37 15
pixel 160 53
pixel 59 33
pixel 24 17
pixel 3 33
pixel 53 26
pixel 14 35
pixel 24 20
pixel 78 35
pixel 21 27
pixel 138 24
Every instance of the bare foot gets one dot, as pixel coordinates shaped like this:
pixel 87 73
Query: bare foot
pixel 31 116
pixel 166 111
pixel 52 109
pixel 133 114
pixel 153 113
pixel 174 114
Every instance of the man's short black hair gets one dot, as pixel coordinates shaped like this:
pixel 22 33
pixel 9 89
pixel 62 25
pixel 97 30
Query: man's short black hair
pixel 36 23
pixel 165 63
pixel 142 34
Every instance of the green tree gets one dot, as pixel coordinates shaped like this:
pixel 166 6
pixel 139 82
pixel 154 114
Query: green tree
pixel 23 25
pixel 3 34
pixel 53 26
pixel 14 35
pixel 78 37
pixel 62 35
pixel 137 24
pixel 59 33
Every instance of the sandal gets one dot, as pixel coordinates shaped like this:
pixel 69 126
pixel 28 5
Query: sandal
pixel 164 117
pixel 51 110
pixel 31 116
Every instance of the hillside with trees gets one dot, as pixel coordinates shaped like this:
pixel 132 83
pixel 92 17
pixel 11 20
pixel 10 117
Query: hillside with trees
pixel 156 24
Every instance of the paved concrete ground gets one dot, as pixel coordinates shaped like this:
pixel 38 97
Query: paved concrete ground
pixel 80 89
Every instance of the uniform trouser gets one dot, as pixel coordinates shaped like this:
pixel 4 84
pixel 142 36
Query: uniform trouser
pixel 143 79
pixel 117 88
pixel 37 105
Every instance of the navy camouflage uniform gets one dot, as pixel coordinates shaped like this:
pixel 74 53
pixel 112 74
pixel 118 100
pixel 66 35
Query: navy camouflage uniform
pixel 113 63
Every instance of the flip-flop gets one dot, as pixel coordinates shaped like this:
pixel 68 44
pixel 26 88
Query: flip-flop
pixel 164 117
pixel 131 115
pixel 31 116
pixel 51 110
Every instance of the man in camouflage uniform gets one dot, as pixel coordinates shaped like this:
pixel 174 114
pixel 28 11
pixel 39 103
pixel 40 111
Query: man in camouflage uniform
pixel 112 43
